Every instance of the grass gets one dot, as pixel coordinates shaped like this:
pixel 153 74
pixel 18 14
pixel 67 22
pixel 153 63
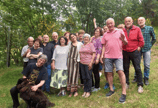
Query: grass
pixel 148 99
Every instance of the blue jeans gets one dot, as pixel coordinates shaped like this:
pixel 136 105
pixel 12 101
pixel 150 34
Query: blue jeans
pixel 46 85
pixel 146 60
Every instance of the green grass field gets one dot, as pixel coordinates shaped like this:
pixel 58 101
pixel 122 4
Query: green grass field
pixel 148 99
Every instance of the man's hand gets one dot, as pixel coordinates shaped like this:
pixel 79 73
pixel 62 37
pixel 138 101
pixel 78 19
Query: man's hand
pixel 34 88
pixel 90 66
pixel 122 37
pixel 138 48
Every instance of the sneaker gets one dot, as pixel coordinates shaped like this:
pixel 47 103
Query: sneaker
pixel 63 93
pixel 122 98
pixel 127 86
pixel 140 89
pixel 114 87
pixel 100 74
pixel 134 80
pixel 106 86
pixel 92 87
pixel 110 93
pixel 95 89
pixel 146 82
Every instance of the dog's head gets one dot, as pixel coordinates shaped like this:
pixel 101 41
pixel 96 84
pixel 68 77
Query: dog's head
pixel 22 83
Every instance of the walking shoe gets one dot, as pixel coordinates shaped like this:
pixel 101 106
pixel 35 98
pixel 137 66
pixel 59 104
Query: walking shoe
pixel 100 74
pixel 63 93
pixel 95 89
pixel 134 80
pixel 127 86
pixel 146 82
pixel 140 89
pixel 110 93
pixel 106 86
pixel 113 87
pixel 92 87
pixel 122 98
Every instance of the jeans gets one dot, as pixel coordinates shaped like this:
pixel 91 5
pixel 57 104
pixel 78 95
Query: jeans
pixel 46 85
pixel 146 60
pixel 100 66
pixel 135 58
pixel 96 76
pixel 86 76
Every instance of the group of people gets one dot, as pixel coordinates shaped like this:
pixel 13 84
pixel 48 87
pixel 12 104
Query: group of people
pixel 62 62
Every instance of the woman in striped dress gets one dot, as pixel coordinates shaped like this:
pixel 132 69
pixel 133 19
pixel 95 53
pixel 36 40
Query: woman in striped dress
pixel 73 65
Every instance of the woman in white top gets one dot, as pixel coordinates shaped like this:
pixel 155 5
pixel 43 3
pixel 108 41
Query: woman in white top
pixel 59 66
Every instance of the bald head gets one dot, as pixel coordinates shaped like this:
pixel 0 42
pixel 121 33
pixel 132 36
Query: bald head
pixel 30 41
pixel 45 38
pixel 55 36
pixel 128 22
pixel 110 24
pixel 141 22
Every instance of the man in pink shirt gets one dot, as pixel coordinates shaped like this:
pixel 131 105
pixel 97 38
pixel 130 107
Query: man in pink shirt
pixel 112 42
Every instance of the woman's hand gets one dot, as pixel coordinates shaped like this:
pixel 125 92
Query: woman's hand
pixel 97 61
pixel 52 66
pixel 90 66
pixel 101 59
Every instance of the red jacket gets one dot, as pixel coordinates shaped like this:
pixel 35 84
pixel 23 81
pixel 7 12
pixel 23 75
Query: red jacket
pixel 135 39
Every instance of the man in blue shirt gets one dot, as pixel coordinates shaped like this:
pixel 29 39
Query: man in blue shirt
pixel 150 39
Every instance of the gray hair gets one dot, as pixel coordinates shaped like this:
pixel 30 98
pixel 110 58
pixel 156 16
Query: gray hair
pixel 141 18
pixel 30 38
pixel 128 17
pixel 43 56
pixel 54 33
pixel 110 19
pixel 86 35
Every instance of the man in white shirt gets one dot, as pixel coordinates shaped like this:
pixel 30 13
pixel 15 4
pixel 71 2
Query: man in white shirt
pixel 26 49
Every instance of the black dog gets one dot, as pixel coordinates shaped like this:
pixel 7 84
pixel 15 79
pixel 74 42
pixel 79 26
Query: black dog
pixel 35 99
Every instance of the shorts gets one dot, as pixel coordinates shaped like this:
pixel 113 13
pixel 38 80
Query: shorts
pixel 109 64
